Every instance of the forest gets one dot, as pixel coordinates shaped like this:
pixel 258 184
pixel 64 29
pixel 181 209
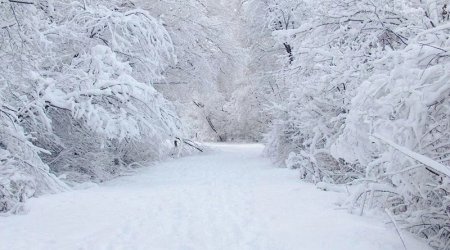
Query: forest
pixel 352 95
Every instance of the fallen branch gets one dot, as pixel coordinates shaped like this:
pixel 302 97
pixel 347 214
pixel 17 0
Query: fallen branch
pixel 190 143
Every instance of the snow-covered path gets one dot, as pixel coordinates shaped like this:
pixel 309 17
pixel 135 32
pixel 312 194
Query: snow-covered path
pixel 230 198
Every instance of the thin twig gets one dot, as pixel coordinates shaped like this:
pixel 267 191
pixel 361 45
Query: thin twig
pixel 396 228
pixel 22 2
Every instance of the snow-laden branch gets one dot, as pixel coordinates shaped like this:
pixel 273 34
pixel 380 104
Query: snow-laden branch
pixel 418 157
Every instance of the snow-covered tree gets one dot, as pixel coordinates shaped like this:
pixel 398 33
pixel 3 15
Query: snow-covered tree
pixel 210 66
pixel 77 93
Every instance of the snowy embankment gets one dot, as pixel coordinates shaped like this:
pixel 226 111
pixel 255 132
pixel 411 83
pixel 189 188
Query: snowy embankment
pixel 230 198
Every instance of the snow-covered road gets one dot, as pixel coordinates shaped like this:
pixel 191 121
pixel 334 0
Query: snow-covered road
pixel 230 198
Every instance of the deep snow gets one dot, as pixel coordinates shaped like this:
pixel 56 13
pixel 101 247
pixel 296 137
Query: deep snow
pixel 230 198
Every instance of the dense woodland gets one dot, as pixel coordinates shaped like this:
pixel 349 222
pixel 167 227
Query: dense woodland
pixel 355 95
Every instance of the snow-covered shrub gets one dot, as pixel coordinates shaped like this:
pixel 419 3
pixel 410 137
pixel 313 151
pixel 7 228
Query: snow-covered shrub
pixel 358 71
pixel 407 100
pixel 22 172
pixel 76 94
pixel 332 50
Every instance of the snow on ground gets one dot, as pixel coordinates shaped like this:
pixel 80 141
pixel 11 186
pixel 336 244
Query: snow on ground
pixel 230 198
